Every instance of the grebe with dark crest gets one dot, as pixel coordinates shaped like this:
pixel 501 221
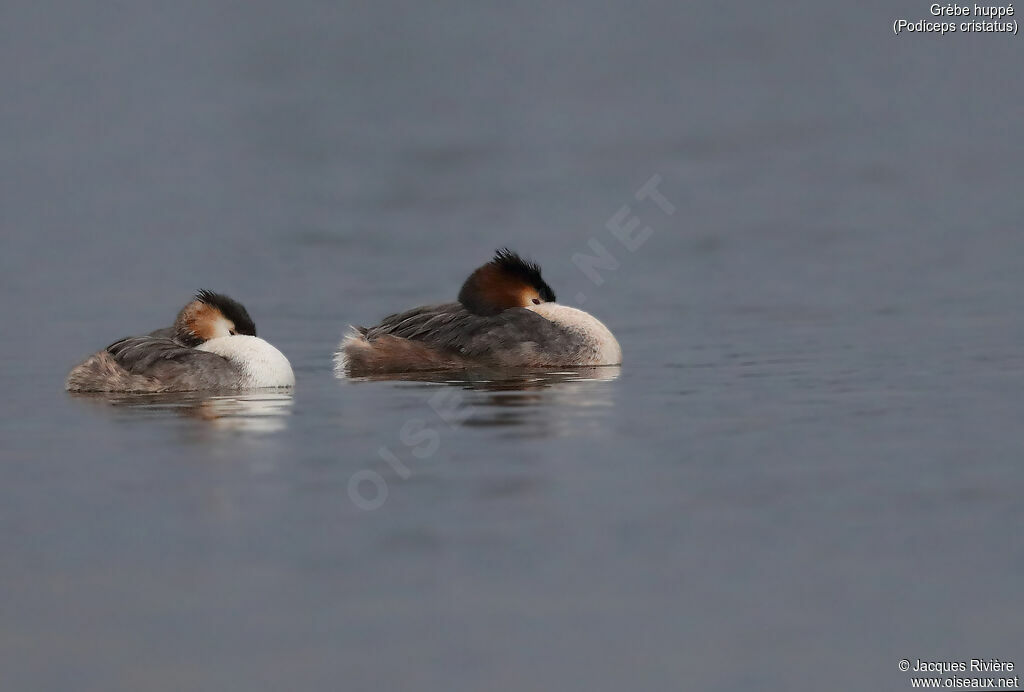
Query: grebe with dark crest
pixel 212 345
pixel 506 317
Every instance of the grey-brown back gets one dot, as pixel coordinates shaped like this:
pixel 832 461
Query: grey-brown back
pixel 152 364
pixel 513 337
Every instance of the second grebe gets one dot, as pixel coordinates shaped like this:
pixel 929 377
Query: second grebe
pixel 506 316
pixel 211 346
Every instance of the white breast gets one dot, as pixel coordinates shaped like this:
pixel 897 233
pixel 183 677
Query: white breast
pixel 602 347
pixel 261 364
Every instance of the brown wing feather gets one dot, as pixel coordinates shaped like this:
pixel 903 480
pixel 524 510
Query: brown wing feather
pixel 152 364
pixel 449 336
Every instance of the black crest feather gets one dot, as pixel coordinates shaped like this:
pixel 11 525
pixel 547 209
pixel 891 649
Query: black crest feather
pixel 231 309
pixel 479 293
pixel 526 270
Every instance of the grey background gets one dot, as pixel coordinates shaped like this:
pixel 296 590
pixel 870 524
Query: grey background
pixel 807 469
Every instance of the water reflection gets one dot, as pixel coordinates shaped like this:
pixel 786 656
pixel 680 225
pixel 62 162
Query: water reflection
pixel 262 412
pixel 494 379
pixel 525 403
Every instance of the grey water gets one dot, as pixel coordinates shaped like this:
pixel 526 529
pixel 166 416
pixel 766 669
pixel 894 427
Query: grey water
pixel 807 468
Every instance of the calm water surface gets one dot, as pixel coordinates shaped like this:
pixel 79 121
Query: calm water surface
pixel 808 465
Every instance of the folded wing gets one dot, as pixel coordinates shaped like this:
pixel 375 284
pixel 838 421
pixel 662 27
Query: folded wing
pixel 513 337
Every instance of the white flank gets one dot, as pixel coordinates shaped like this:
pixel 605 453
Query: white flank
pixel 261 364
pixel 340 357
pixel 603 348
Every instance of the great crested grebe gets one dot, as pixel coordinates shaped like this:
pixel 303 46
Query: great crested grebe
pixel 211 346
pixel 506 316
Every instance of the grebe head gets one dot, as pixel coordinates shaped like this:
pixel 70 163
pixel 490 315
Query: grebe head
pixel 211 315
pixel 507 281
